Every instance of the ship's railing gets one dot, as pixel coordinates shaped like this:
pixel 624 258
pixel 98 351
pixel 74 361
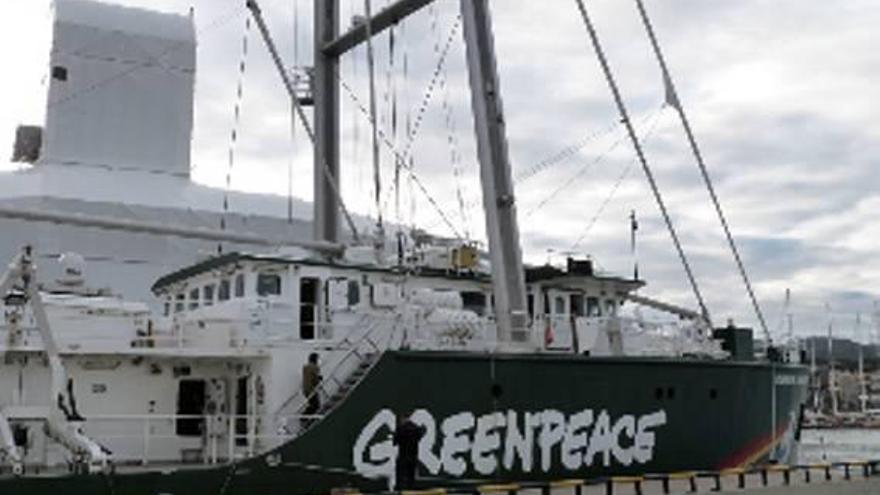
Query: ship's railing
pixel 153 438
pixel 234 335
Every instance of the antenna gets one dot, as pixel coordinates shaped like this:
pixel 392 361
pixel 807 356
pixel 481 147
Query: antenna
pixel 633 228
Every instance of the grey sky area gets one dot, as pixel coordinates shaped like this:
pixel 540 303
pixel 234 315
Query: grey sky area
pixel 782 95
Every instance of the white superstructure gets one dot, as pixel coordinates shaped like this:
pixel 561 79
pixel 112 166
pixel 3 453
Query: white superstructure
pixel 120 89
pixel 116 145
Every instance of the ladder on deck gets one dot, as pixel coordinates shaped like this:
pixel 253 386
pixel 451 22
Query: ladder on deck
pixel 336 386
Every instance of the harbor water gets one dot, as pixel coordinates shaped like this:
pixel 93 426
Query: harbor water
pixel 837 445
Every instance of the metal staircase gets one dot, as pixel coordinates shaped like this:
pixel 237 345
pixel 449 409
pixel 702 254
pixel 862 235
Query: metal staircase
pixel 335 387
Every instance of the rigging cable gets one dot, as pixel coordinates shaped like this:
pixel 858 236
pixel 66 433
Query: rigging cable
pixel 675 102
pixel 621 107
pixel 623 175
pixel 405 163
pixel 236 122
pixel 405 157
pixel 450 123
pixel 371 77
pixel 586 168
pixel 563 154
pixel 297 107
pixel 429 91
pixel 292 116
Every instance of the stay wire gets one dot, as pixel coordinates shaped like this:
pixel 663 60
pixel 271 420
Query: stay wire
pixel 451 127
pixel 296 45
pixel 613 192
pixel 297 108
pixel 405 163
pixel 564 153
pixel 672 94
pixel 236 123
pixel 618 99
pixel 371 77
pixel 429 91
pixel 404 157
pixel 585 168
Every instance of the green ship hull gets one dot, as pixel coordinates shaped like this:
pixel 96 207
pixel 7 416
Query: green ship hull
pixel 507 417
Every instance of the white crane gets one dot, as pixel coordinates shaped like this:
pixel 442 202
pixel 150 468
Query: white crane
pixel 18 287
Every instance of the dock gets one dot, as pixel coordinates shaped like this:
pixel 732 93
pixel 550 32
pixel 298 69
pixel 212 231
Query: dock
pixel 839 478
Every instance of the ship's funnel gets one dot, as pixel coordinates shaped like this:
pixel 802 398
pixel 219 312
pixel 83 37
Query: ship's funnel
pixel 121 89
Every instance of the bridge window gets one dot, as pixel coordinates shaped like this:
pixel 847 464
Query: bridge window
pixel 610 307
pixel 474 301
pixel 223 290
pixel 269 284
pixel 239 285
pixel 194 299
pixel 559 305
pixel 593 307
pixel 208 295
pixel 354 293
pixel 179 301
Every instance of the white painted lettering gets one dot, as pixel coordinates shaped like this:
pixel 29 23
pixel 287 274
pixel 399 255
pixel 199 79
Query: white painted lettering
pixel 552 431
pixel 600 440
pixel 426 445
pixel 625 425
pixel 576 439
pixel 487 441
pixel 381 453
pixel 455 442
pixel 643 450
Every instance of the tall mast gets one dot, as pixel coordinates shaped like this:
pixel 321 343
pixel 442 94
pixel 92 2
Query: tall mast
pixel 832 385
pixel 325 91
pixel 508 278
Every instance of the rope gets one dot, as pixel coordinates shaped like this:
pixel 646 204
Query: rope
pixel 276 58
pixel 236 122
pixel 623 175
pixel 621 107
pixel 404 160
pixel 449 122
pixel 563 154
pixel 296 44
pixel 672 94
pixel 584 169
pixel 429 92
pixel 371 77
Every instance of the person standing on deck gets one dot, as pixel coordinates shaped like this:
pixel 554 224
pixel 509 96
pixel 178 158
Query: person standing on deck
pixel 311 377
pixel 406 437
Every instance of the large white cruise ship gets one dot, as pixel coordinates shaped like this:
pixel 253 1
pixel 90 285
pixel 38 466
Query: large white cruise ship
pixel 115 151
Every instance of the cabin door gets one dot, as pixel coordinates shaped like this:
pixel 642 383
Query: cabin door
pixel 309 307
pixel 241 411
pixel 190 408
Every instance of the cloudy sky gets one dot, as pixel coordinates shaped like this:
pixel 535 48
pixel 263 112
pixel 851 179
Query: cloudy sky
pixel 782 95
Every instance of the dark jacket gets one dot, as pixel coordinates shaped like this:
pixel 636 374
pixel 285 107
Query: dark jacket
pixel 407 437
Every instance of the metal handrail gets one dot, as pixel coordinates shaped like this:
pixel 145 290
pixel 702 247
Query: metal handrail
pixel 354 350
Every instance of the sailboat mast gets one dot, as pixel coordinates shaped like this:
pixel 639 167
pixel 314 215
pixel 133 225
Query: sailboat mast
pixel 325 91
pixel 498 199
